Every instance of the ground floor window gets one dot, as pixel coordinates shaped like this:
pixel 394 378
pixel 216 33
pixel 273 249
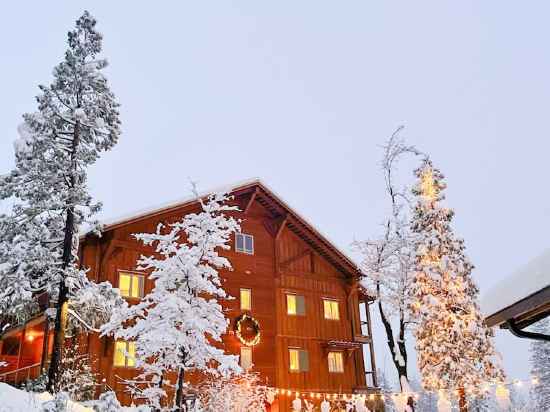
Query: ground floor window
pixel 125 353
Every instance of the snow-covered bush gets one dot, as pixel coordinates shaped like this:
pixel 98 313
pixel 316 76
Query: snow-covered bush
pixel 241 393
pixel 107 402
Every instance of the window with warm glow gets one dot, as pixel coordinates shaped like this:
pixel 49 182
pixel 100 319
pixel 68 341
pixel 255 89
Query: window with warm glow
pixel 335 362
pixel 130 284
pixel 331 308
pixel 125 353
pixel 246 299
pixel 295 305
pixel 244 243
pixel 298 360
pixel 246 357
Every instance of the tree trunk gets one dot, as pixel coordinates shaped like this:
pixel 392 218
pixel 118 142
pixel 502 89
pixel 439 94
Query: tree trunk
pixel 59 328
pixel 462 403
pixel 179 389
pixel 401 347
pixel 63 298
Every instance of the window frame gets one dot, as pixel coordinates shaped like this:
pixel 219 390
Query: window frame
pixel 133 275
pixel 296 304
pixel 331 301
pixel 341 358
pixel 126 358
pixel 249 350
pixel 244 249
pixel 298 351
pixel 249 309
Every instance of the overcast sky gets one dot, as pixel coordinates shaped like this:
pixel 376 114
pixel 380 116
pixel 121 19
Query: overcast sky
pixel 301 94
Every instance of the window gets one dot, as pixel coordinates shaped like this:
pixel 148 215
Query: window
pixel 331 308
pixel 246 299
pixel 298 360
pixel 295 305
pixel 246 357
pixel 130 284
pixel 125 353
pixel 244 243
pixel 335 362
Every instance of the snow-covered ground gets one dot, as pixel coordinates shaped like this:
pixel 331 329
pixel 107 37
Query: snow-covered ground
pixel 16 400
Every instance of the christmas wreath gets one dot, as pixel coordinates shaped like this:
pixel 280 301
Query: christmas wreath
pixel 247 330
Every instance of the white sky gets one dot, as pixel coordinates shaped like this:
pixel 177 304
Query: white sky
pixel 302 94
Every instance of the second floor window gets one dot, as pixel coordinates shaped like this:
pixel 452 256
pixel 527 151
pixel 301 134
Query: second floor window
pixel 124 355
pixel 298 360
pixel 335 362
pixel 130 285
pixel 244 243
pixel 331 309
pixel 246 299
pixel 295 305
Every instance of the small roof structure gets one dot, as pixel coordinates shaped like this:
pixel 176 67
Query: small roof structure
pixel 521 299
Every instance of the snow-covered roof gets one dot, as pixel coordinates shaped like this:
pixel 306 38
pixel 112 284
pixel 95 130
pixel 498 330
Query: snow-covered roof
pixel 159 208
pixel 521 284
pixel 109 223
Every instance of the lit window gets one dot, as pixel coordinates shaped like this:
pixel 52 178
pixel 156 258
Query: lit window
pixel 298 360
pixel 244 243
pixel 335 362
pixel 130 284
pixel 331 308
pixel 125 353
pixel 246 299
pixel 295 305
pixel 246 357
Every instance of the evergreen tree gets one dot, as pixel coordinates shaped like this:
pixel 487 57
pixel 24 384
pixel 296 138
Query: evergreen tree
pixel 540 367
pixel 455 349
pixel 77 118
pixel 177 325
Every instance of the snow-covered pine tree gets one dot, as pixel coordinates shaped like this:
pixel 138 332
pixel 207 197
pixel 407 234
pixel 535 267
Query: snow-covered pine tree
pixel 77 118
pixel 455 349
pixel 175 326
pixel 388 262
pixel 540 367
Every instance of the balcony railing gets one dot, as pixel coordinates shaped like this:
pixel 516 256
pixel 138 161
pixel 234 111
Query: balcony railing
pixel 23 374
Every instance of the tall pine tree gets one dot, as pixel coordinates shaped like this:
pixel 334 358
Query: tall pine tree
pixel 77 118
pixel 540 368
pixel 455 349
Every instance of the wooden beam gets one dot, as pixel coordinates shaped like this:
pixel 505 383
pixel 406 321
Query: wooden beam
pixel 295 258
pixel 250 201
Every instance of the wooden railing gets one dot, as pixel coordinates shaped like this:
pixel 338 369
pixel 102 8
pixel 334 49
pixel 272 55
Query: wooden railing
pixel 20 375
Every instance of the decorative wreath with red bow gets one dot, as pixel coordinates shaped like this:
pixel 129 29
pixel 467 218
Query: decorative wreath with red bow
pixel 248 330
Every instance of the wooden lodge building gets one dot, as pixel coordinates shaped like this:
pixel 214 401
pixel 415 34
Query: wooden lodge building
pixel 303 292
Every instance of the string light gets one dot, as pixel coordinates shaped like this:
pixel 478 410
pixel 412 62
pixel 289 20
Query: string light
pixel 384 395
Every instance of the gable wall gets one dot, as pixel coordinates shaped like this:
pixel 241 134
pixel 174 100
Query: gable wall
pixel 311 275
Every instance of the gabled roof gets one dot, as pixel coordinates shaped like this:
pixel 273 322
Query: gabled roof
pixel 267 198
pixel 523 297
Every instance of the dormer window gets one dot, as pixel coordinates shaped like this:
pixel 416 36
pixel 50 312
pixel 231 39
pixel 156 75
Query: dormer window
pixel 244 243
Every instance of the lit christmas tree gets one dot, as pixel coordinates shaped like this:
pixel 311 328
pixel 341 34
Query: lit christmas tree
pixel 455 350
